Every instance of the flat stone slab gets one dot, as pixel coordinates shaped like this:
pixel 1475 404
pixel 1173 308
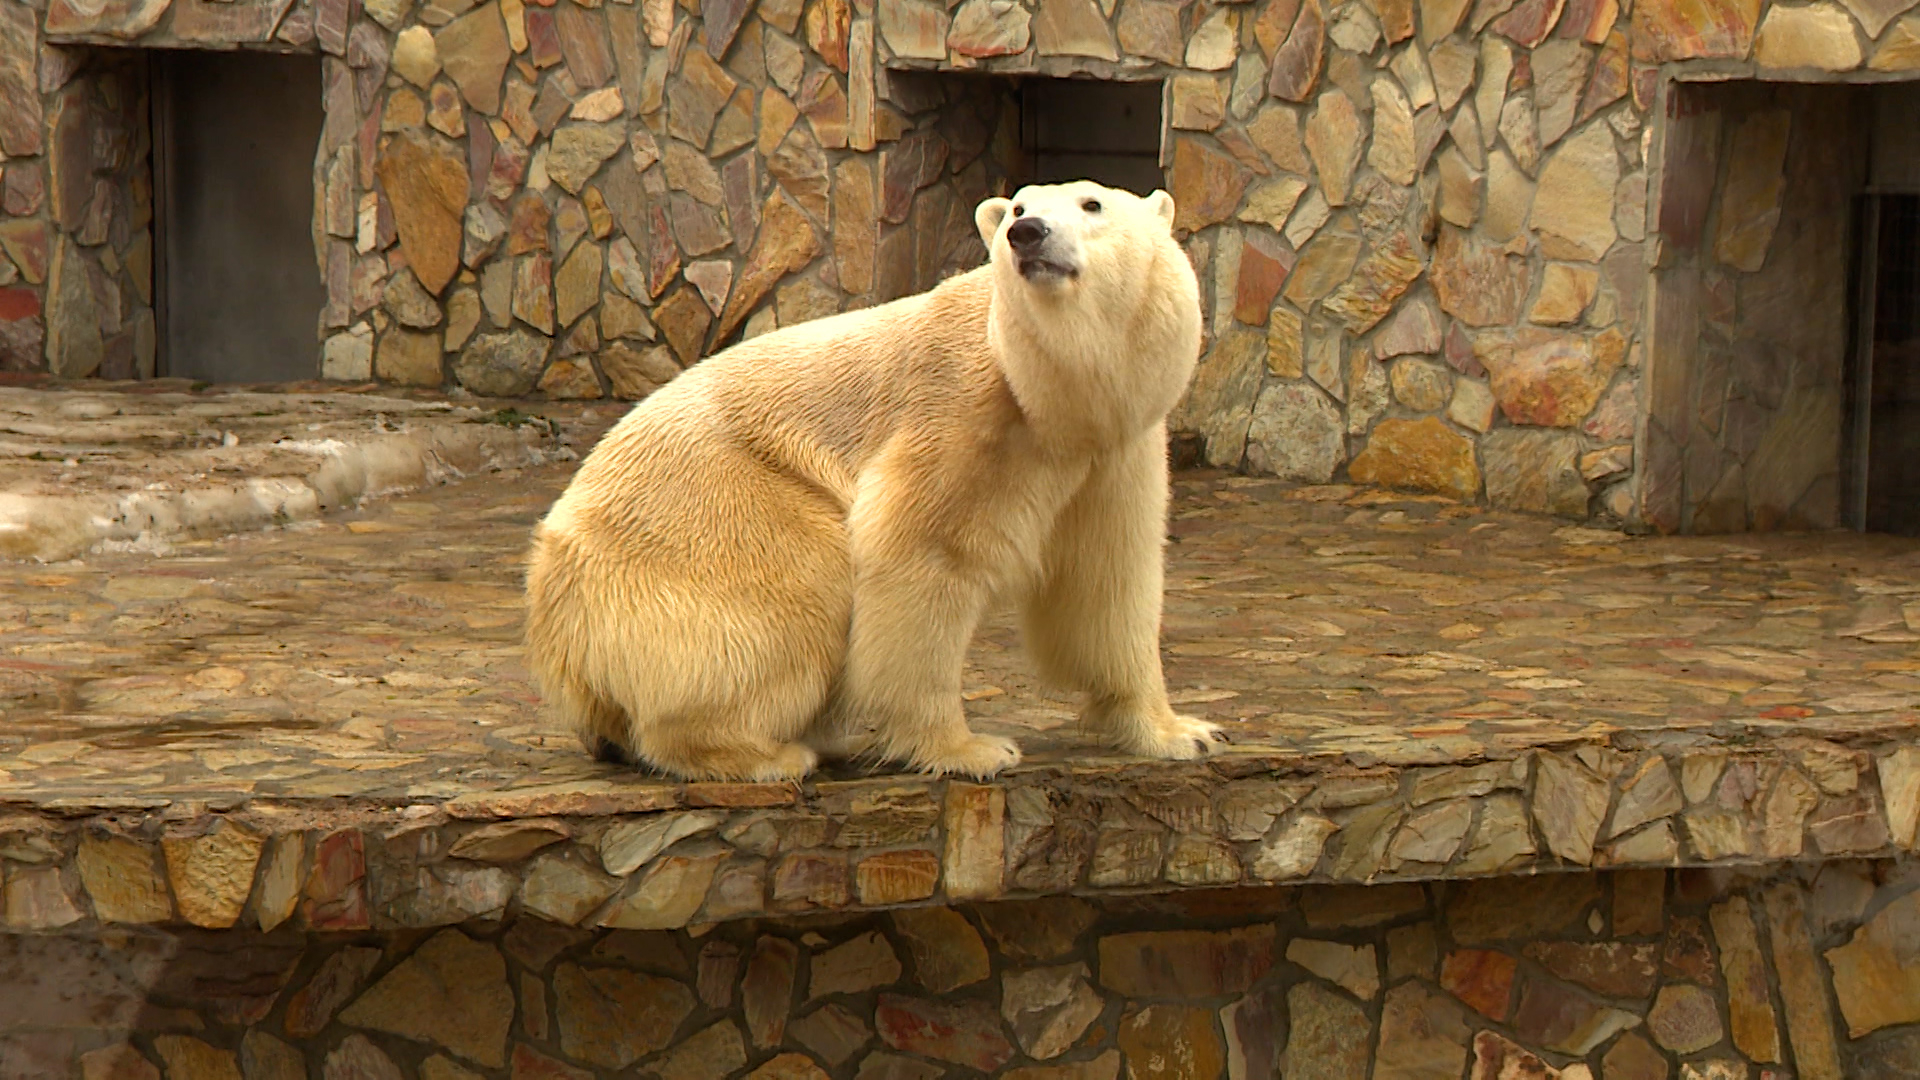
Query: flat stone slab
pixel 336 717
pixel 152 462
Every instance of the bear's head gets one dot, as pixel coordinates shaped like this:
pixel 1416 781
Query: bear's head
pixel 1075 238
pixel 1096 310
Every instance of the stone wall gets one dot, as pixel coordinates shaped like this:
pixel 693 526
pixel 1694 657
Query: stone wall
pixel 1638 975
pixel 1422 228
pixel 76 206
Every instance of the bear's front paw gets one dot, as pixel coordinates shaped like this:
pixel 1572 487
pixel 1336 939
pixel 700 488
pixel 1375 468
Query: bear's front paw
pixel 1176 738
pixel 981 757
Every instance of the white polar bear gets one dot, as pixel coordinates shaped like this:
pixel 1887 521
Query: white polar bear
pixel 787 550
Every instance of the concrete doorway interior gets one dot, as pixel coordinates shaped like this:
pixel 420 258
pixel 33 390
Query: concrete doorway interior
pixel 1093 129
pixel 237 294
pixel 1784 368
pixel 1888 402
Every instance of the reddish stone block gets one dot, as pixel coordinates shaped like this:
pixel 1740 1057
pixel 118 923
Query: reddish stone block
pixel 809 879
pixel 965 1033
pixel 336 892
pixel 1265 262
pixel 1482 978
pixel 1694 29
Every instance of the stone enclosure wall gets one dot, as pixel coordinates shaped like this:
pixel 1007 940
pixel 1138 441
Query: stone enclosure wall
pixel 1423 228
pixel 76 207
pixel 1635 975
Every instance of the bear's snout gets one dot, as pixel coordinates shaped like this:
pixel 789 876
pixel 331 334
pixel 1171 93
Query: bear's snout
pixel 1027 234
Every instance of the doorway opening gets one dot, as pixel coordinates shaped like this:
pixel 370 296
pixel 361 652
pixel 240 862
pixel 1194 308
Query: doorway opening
pixel 1784 360
pixel 237 297
pixel 1887 400
pixel 1092 129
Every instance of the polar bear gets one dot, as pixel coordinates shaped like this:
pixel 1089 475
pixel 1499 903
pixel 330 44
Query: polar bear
pixel 786 551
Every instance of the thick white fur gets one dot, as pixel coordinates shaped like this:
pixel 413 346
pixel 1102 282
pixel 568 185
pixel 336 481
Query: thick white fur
pixel 787 550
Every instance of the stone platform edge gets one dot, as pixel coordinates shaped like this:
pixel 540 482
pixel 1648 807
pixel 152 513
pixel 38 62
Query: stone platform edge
pixel 667 856
pixel 50 528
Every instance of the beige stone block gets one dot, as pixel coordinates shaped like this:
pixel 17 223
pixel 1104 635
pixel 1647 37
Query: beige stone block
pixel 1607 461
pixel 1565 292
pixel 1354 968
pixel 1392 152
pixel 1464 129
pixel 1874 15
pixel 1421 385
pixel 1460 189
pixel 1418 455
pixel 1490 95
pixel 1573 209
pixel 1335 136
pixel 1273 201
pixel 348 356
pixel 947 951
pixel 571 380
pixel 1810 1028
pixel 1510 198
pixel 1749 1006
pixel 670 893
pixel 975 817
pixel 1215 42
pixel 1432 835
pixel 118 874
pixel 1409 65
pixel 1196 103
pixel 1900 49
pixel 1292 850
pixel 408 357
pixel 212 873
pixel 1900 787
pixel 452 992
pixel 1818 36
pixel 186 1056
pixel 1275 129
pixel 415 58
pixel 1520 131
pixel 1286 347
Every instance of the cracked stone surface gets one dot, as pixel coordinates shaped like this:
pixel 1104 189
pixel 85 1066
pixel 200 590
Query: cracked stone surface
pixel 1371 655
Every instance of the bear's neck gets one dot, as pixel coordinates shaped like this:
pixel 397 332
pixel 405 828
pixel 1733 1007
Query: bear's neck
pixel 1090 377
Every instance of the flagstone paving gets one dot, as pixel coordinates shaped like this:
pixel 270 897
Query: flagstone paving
pixel 376 653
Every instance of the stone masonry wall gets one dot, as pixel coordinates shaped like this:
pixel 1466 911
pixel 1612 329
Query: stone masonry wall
pixel 1637 975
pixel 76 206
pixel 1422 227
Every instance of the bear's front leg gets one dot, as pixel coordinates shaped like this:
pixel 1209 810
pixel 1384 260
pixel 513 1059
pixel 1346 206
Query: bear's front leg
pixel 915 609
pixel 1094 624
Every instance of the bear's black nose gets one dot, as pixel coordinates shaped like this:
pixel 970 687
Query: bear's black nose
pixel 1027 233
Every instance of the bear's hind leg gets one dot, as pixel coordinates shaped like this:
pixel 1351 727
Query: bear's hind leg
pixel 700 758
pixel 600 724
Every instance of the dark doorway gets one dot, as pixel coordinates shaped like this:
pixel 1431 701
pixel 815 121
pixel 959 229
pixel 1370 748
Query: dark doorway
pixel 1087 129
pixel 238 297
pixel 1892 367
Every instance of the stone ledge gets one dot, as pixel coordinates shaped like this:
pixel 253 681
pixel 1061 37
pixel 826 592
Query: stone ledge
pixel 663 856
pixel 151 467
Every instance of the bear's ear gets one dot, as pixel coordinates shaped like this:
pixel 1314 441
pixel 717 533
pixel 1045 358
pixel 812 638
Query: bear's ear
pixel 988 216
pixel 1162 204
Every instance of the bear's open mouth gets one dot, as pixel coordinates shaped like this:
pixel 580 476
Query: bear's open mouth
pixel 1037 268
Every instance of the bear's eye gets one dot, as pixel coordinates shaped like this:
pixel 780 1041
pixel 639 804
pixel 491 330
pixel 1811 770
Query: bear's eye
pixel 1018 210
pixel 1091 206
